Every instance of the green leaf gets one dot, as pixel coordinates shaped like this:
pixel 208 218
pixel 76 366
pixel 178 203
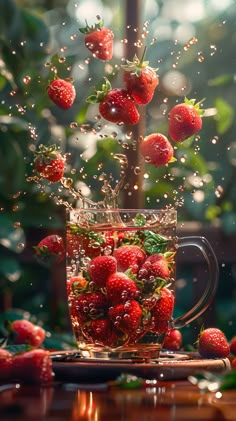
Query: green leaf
pixel 222 80
pixel 224 117
pixel 154 243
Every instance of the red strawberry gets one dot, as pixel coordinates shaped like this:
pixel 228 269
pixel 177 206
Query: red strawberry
pixel 185 119
pixel 101 331
pixel 126 317
pixel 140 80
pixel 99 40
pixel 26 332
pixel 163 310
pixel 91 305
pixel 100 268
pixel 49 163
pixel 157 150
pixel 120 288
pixel 115 105
pixel 233 363
pixel 173 340
pixel 129 257
pixel 76 284
pixel 62 92
pixel 88 242
pixel 33 366
pixel 232 345
pixel 155 266
pixel 6 364
pixel 50 249
pixel 212 343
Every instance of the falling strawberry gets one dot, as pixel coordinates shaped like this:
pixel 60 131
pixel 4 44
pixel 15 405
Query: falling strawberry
pixel 100 268
pixel 62 92
pixel 140 80
pixel 126 317
pixel 26 332
pixel 184 120
pixel 115 105
pixel 99 40
pixel 173 340
pixel 162 311
pixel 6 365
pixel 129 257
pixel 34 366
pixel 50 249
pixel 212 343
pixel 49 163
pixel 157 150
pixel 121 288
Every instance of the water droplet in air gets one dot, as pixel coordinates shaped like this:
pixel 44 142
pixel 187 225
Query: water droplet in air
pixel 27 79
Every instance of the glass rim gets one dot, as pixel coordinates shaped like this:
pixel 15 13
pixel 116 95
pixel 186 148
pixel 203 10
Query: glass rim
pixel 123 210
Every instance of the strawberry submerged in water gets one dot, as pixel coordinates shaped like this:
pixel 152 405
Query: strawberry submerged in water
pixel 115 105
pixel 140 80
pixel 184 120
pixel 99 40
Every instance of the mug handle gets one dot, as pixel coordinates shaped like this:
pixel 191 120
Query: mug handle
pixel 211 284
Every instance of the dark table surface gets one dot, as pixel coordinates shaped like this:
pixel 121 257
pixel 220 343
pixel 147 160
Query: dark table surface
pixel 166 401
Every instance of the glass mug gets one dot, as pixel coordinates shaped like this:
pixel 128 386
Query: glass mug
pixel 121 268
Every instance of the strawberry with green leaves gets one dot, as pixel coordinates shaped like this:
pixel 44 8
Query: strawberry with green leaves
pixel 127 316
pixel 90 305
pixel 99 40
pixel 120 288
pixel 212 343
pixel 157 150
pixel 49 163
pixel 50 249
pixel 162 312
pixel 157 266
pixel 26 332
pixel 184 120
pixel 140 80
pixel 129 257
pixel 62 92
pixel 33 366
pixel 115 105
pixel 100 268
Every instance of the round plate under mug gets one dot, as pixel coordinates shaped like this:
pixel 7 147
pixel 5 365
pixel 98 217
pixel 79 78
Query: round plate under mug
pixel 69 366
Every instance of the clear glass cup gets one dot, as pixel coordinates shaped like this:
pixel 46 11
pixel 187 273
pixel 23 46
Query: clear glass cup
pixel 121 270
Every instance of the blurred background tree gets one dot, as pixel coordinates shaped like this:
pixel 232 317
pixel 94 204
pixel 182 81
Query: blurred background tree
pixel 192 46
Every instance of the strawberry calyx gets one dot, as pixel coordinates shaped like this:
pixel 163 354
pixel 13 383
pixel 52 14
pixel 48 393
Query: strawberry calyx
pixel 99 95
pixel 96 27
pixel 137 65
pixel 196 105
pixel 91 235
pixel 46 154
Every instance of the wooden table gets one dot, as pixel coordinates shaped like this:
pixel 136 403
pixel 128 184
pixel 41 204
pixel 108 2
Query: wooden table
pixel 167 401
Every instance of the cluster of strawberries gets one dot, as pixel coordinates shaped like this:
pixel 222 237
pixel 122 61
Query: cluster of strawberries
pixel 120 105
pixel 30 365
pixel 118 297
